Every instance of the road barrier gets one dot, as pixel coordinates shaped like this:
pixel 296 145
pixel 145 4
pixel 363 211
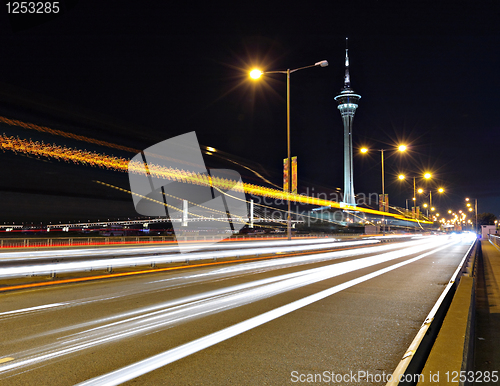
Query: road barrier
pixel 35 242
pixel 452 314
pixel 494 239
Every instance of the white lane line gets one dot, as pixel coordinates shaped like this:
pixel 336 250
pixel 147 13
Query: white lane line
pixel 150 364
pixel 30 309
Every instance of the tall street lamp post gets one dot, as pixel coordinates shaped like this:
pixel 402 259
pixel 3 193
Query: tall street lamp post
pixel 256 74
pixel 401 148
pixel 475 210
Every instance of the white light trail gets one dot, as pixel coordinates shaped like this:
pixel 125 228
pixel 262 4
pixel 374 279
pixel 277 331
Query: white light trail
pixel 175 312
pixel 150 364
pixel 95 264
pixel 148 249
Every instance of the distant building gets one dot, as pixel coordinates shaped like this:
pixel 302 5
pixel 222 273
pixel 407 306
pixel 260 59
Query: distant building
pixel 488 230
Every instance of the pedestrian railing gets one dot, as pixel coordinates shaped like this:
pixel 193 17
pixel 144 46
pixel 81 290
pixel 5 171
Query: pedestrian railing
pixel 495 240
pixel 100 241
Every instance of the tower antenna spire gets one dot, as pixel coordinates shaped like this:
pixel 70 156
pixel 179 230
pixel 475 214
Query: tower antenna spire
pixel 347 78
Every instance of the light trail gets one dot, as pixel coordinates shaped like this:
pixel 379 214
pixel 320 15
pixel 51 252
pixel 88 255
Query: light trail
pixel 150 364
pixel 192 307
pixel 94 159
pixel 13 256
pixel 95 264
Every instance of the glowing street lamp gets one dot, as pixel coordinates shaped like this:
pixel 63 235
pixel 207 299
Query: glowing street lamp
pixel 257 74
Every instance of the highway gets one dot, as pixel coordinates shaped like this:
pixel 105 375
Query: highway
pixel 268 321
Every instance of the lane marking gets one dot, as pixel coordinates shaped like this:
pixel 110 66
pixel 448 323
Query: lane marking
pixel 6 359
pixel 32 309
pixel 137 369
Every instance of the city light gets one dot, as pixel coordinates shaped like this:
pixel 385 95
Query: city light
pixel 401 177
pixel 441 190
pixel 364 150
pixel 427 176
pixel 402 148
pixel 255 73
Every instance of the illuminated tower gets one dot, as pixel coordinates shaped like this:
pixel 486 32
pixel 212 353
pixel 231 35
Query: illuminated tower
pixel 348 103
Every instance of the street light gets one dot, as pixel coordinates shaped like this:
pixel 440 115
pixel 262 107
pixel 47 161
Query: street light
pixel 256 74
pixel 440 190
pixel 475 210
pixel 401 148
pixel 426 176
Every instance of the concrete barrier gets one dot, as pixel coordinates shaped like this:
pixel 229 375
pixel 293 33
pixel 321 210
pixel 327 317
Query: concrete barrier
pixel 453 351
pixel 410 370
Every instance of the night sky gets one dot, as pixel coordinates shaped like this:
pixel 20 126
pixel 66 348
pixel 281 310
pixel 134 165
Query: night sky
pixel 137 73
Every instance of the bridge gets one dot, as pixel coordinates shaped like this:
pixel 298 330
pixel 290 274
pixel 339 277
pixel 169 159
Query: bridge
pixel 240 312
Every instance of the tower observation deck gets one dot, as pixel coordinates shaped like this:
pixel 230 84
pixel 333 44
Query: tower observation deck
pixel 348 103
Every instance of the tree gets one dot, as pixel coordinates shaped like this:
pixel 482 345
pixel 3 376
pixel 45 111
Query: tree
pixel 486 219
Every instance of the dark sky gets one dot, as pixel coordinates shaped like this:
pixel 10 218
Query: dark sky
pixel 136 73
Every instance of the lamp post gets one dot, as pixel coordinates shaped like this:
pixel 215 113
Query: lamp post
pixel 475 210
pixel 401 148
pixel 426 176
pixel 440 190
pixel 256 74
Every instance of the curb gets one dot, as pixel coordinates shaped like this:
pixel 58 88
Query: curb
pixel 411 367
pixel 453 351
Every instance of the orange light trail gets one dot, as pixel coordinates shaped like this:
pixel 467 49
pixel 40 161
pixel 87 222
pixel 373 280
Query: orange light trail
pixel 94 159
pixel 44 129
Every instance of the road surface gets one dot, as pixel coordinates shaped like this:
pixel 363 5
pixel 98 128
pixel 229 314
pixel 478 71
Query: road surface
pixel 348 313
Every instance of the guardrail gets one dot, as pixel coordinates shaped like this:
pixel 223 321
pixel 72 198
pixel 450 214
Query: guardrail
pixel 494 239
pixel 408 372
pixel 35 242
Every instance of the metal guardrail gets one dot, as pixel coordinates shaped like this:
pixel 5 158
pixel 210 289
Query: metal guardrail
pixel 495 240
pixel 100 241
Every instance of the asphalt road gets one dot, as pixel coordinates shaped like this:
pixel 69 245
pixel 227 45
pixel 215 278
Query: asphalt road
pixel 268 322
